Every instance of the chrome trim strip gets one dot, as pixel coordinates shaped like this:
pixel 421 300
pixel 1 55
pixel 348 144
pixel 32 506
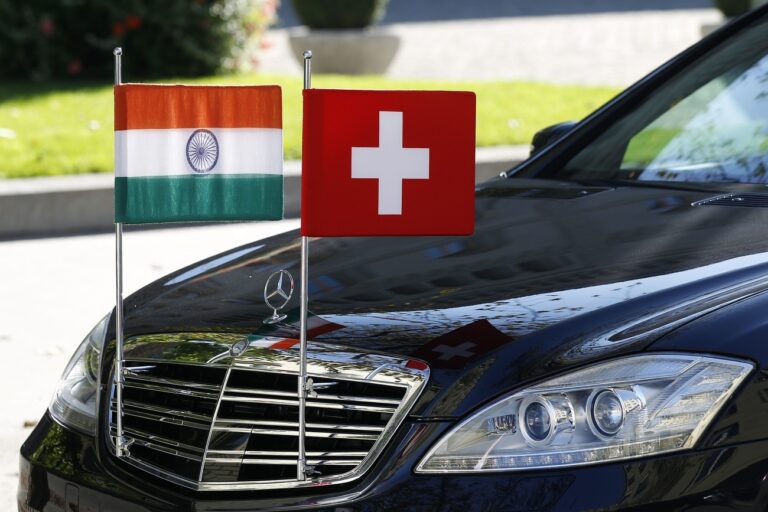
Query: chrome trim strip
pixel 160 448
pixel 162 419
pixel 174 391
pixel 210 432
pixel 170 382
pixel 173 412
pixel 346 398
pixel 294 424
pixel 257 453
pixel 163 440
pixel 151 445
pixel 309 433
pixel 290 462
pixel 256 391
pixel 321 405
pixel 215 364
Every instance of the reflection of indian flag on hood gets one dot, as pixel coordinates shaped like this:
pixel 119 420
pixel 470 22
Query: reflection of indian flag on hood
pixel 198 153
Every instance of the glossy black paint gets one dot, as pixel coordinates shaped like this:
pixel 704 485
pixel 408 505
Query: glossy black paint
pixel 719 478
pixel 564 273
pixel 544 252
pixel 594 260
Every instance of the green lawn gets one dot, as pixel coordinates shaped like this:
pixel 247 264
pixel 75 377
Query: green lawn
pixel 58 128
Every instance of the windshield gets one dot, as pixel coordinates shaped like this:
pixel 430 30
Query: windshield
pixel 708 124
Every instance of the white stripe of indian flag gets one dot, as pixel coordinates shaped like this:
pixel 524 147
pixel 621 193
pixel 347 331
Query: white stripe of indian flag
pixel 164 152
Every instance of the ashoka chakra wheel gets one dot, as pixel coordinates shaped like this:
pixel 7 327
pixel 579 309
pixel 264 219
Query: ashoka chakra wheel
pixel 202 151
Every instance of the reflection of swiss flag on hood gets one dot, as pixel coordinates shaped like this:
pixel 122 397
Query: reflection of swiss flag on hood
pixel 456 348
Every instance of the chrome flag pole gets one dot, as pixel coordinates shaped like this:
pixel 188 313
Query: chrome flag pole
pixel 303 470
pixel 121 442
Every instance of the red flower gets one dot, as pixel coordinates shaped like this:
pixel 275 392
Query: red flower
pixel 74 67
pixel 118 29
pixel 46 26
pixel 132 22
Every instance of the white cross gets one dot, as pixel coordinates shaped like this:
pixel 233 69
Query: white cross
pixel 390 163
pixel 447 352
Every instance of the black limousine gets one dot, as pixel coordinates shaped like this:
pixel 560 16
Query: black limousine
pixel 598 343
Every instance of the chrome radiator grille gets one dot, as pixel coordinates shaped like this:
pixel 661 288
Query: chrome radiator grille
pixel 231 421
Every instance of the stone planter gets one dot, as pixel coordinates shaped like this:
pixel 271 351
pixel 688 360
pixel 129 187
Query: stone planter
pixel 708 28
pixel 348 52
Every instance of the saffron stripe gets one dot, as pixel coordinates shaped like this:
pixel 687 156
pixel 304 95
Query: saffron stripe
pixel 144 106
pixel 198 198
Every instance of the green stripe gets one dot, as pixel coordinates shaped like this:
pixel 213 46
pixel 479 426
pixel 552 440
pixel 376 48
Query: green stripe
pixel 197 198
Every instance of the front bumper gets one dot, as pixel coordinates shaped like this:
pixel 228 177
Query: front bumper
pixel 61 471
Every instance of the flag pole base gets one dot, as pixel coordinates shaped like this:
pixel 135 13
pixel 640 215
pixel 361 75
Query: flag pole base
pixel 122 446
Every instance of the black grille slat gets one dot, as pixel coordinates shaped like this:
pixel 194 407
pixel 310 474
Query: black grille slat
pixel 311 402
pixel 185 468
pixel 228 422
pixel 170 390
pixel 165 412
pixel 267 412
pixel 170 401
pixel 192 374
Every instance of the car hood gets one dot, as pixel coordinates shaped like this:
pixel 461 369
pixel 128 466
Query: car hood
pixel 554 274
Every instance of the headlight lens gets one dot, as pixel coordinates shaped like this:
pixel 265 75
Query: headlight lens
pixel 74 403
pixel 621 409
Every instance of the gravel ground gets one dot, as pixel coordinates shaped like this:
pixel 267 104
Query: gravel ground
pixel 55 290
pixel 597 48
pixel 406 11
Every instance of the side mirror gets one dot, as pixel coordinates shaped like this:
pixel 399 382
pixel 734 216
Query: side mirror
pixel 549 135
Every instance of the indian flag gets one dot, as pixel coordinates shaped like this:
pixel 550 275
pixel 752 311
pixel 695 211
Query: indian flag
pixel 198 153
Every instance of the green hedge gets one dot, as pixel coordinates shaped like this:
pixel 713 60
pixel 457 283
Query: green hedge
pixel 42 39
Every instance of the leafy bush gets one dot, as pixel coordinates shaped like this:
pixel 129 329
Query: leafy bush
pixel 42 39
pixel 733 8
pixel 336 14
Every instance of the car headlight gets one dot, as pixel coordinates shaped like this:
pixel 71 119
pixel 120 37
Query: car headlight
pixel 74 403
pixel 621 409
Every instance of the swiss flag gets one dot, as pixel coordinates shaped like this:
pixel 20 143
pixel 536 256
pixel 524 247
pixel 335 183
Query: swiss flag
pixel 388 163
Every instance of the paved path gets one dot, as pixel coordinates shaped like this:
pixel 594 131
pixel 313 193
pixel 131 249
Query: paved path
pixel 53 292
pixel 407 11
pixel 612 48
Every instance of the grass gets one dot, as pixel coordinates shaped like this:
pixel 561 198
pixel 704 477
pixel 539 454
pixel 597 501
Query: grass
pixel 58 128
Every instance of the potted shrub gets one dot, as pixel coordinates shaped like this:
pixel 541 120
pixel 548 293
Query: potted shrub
pixel 730 9
pixel 733 8
pixel 342 37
